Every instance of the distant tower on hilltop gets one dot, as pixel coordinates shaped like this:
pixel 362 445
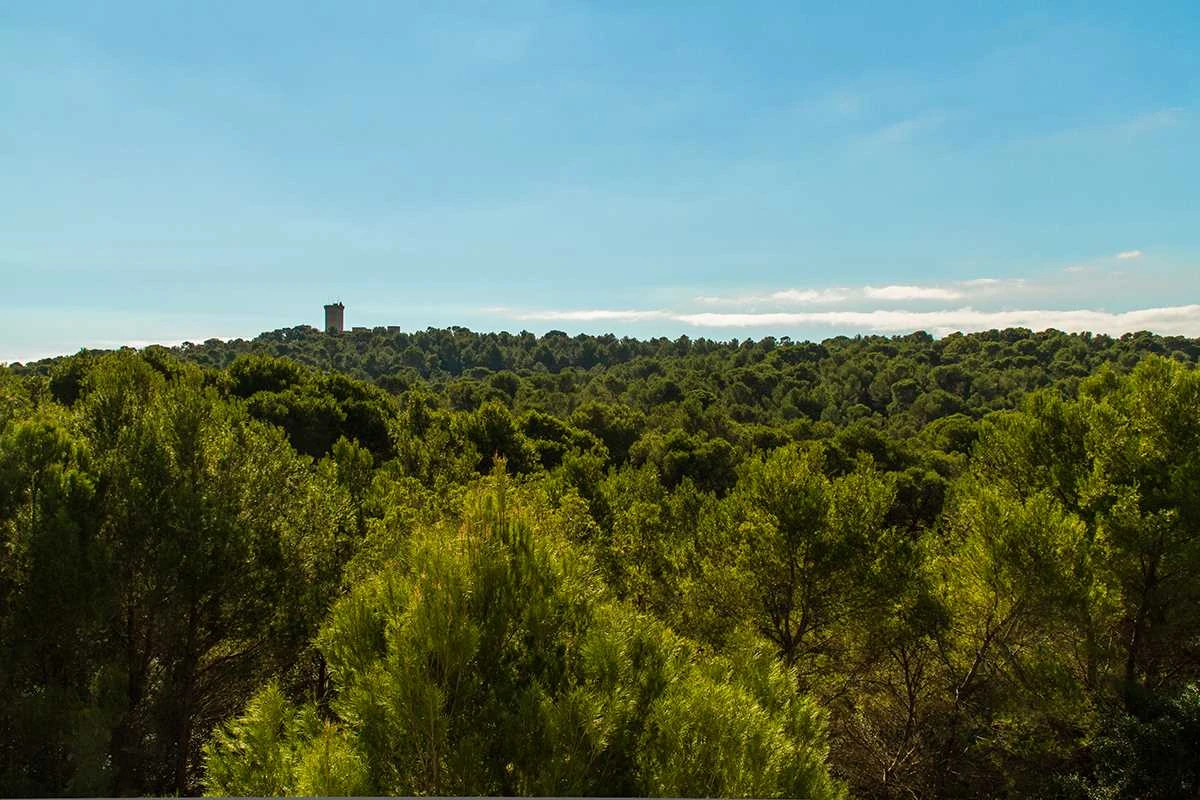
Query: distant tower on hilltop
pixel 335 318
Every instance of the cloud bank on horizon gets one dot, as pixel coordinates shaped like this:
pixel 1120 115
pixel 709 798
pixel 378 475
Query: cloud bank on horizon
pixel 1169 320
pixel 784 310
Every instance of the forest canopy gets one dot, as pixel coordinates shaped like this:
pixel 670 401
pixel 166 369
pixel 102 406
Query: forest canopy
pixel 448 562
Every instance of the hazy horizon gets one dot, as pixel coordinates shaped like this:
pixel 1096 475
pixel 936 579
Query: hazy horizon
pixel 725 335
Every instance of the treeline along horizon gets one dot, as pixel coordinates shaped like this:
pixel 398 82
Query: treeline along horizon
pixel 448 562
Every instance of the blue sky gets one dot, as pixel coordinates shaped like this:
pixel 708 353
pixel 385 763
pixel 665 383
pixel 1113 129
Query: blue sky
pixel 179 171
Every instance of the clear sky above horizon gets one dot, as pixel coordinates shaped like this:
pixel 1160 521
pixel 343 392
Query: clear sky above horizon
pixel 180 171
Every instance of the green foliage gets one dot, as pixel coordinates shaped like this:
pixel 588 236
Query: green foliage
pixel 589 565
pixel 496 436
pixel 616 426
pixel 814 551
pixel 707 461
pixel 275 748
pixel 487 660
pixel 1153 754
pixel 180 549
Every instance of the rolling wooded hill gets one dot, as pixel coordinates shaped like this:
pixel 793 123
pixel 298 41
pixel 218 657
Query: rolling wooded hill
pixel 448 562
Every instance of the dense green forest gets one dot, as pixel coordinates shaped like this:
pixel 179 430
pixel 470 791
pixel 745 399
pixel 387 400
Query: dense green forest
pixel 448 562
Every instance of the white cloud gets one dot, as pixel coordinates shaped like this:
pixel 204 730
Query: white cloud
pixel 911 293
pixel 991 285
pixel 1184 320
pixel 807 296
pixel 958 290
pixel 587 315
pixel 781 297
pixel 1125 255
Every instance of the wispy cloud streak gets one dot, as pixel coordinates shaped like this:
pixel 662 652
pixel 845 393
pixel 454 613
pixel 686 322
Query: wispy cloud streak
pixel 781 297
pixel 911 293
pixel 957 290
pixel 585 315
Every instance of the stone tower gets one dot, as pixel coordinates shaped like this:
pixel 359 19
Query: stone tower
pixel 335 321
